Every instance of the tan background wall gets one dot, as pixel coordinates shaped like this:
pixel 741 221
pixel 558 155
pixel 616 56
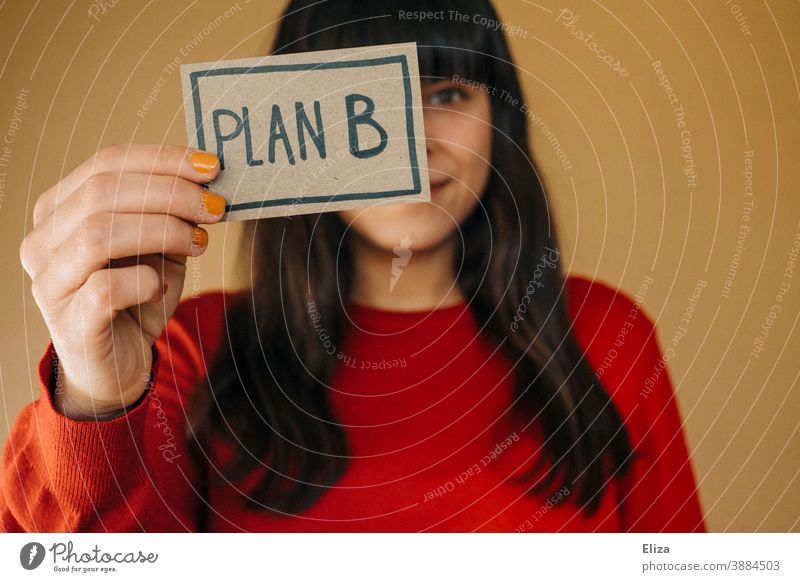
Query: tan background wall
pixel 70 83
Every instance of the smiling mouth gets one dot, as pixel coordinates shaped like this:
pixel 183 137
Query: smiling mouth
pixel 437 187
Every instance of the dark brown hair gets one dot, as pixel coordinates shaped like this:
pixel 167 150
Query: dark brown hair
pixel 267 392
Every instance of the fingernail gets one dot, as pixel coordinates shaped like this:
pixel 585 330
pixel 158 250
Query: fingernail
pixel 199 237
pixel 204 162
pixel 213 203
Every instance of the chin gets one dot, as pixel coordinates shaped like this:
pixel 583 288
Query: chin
pixel 420 226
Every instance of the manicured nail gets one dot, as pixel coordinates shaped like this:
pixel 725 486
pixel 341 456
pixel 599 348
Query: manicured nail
pixel 204 162
pixel 199 237
pixel 213 203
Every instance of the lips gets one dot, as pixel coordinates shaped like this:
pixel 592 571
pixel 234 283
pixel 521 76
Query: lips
pixel 438 186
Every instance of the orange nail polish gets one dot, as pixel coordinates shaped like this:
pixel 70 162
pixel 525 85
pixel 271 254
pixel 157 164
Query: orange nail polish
pixel 204 162
pixel 213 203
pixel 199 237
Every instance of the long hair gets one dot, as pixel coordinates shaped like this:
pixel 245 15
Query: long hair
pixel 267 392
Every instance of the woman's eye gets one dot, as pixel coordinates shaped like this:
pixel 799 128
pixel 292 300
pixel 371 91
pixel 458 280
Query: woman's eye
pixel 447 96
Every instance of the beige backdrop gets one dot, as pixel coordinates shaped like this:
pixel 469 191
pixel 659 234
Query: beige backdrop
pixel 636 193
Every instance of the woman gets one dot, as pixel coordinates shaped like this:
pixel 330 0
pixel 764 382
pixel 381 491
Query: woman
pixel 420 367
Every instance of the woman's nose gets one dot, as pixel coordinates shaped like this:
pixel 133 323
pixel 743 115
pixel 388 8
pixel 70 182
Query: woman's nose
pixel 430 132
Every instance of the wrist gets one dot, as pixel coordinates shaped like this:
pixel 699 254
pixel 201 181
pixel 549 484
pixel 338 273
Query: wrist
pixel 73 402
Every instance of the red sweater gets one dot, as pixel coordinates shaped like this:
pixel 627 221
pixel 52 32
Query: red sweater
pixel 419 399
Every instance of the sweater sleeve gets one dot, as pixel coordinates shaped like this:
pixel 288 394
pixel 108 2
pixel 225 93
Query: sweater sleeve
pixel 126 474
pixel 659 493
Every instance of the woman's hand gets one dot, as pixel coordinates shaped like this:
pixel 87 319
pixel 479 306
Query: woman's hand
pixel 107 256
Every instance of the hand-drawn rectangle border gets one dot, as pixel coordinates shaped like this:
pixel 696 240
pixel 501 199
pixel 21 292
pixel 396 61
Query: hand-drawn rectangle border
pixel 412 152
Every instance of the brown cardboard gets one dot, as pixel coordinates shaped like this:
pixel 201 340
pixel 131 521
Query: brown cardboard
pixel 367 102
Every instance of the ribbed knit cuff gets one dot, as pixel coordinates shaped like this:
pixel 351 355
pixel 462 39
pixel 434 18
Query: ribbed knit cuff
pixel 87 459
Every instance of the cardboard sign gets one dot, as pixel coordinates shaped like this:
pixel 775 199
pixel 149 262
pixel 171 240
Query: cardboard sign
pixel 311 132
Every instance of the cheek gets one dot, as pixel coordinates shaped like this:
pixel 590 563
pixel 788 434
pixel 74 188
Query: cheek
pixel 463 145
pixel 472 150
pixel 470 142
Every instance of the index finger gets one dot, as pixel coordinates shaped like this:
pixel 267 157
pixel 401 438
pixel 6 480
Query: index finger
pixel 160 159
